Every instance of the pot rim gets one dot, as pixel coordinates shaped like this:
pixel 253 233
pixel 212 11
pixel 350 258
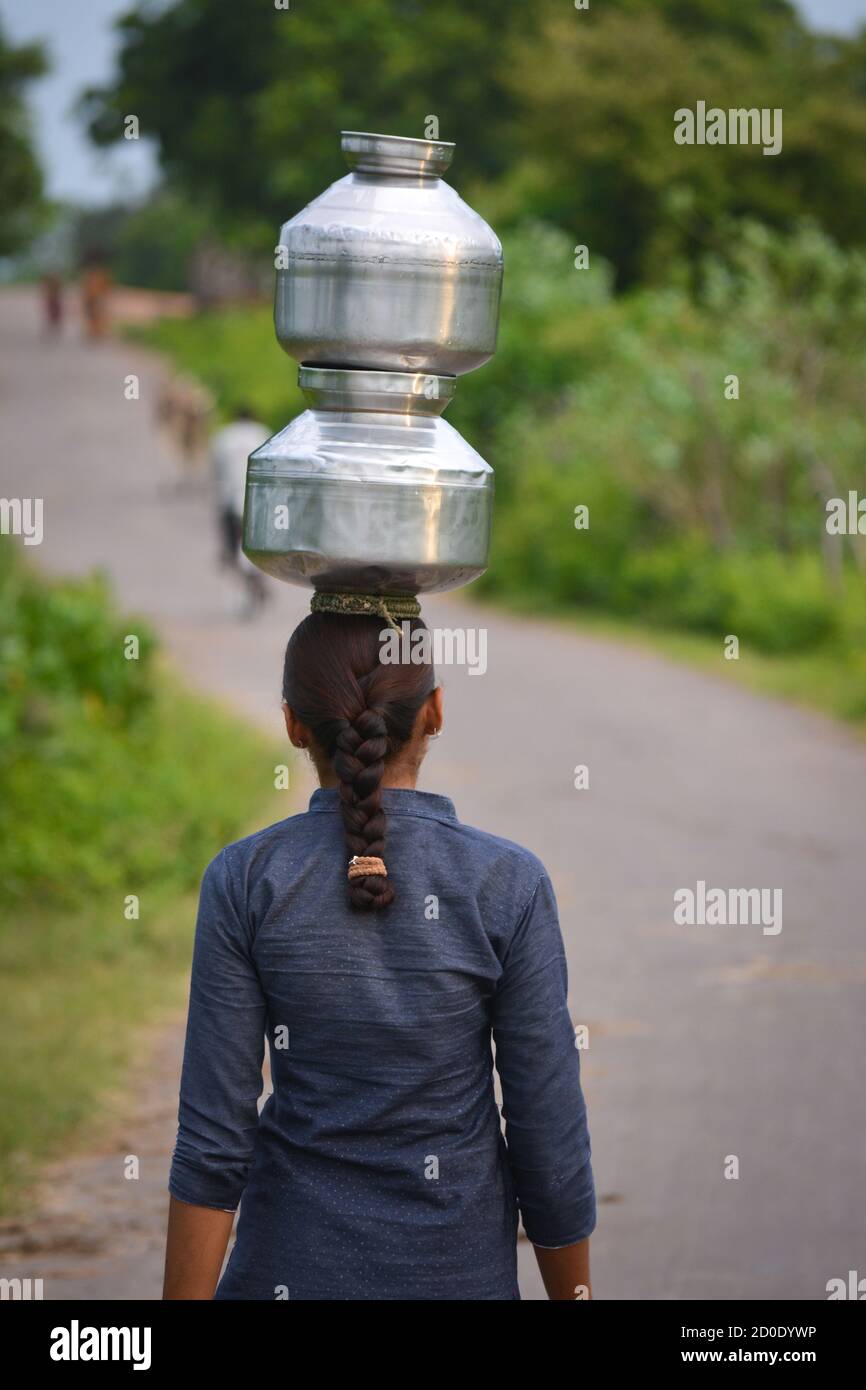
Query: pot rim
pixel 357 388
pixel 368 152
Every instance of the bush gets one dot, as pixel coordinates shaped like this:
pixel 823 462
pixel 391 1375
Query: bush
pixel 112 783
pixel 109 778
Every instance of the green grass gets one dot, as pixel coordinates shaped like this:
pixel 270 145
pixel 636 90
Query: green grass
pixel 79 985
pixel 81 979
pixel 114 782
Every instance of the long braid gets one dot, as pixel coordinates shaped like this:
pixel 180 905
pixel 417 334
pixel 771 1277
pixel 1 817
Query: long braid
pixel 360 712
pixel 359 762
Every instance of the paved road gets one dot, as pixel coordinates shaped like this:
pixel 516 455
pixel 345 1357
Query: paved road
pixel 705 1041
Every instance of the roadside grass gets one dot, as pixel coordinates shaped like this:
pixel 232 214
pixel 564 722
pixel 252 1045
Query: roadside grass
pixel 117 787
pixel 81 979
pixel 78 987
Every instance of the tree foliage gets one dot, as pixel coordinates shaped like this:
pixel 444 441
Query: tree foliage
pixel 596 152
pixel 559 113
pixel 20 176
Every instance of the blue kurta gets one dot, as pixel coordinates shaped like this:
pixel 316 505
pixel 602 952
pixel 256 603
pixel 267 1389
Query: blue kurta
pixel 377 1168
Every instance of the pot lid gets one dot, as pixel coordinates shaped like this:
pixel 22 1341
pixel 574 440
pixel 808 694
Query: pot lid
pixel 368 153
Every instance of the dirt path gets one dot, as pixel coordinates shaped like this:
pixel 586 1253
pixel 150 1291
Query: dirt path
pixel 704 1041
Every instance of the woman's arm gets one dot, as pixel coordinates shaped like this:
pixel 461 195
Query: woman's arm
pixel 195 1249
pixel 565 1272
pixel 221 1082
pixel 542 1101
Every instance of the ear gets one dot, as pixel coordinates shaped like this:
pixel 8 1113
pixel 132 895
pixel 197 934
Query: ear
pixel 433 715
pixel 299 734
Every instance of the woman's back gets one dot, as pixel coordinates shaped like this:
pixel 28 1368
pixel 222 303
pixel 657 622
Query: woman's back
pixel 378 1169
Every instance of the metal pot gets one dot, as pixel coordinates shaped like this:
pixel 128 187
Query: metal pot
pixel 369 490
pixel 389 268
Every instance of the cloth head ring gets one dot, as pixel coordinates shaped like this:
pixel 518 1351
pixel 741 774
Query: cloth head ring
pixel 384 606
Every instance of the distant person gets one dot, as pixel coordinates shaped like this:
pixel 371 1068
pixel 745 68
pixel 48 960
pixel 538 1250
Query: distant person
pixel 182 413
pixel 194 408
pixel 52 303
pixel 230 449
pixel 165 407
pixel 95 293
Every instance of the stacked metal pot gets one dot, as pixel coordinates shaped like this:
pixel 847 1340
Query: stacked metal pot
pixel 388 289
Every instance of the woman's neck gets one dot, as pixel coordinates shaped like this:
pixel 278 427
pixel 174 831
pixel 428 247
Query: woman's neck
pixel 399 776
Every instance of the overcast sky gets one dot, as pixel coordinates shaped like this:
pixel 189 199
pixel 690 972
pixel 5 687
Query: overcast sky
pixel 81 45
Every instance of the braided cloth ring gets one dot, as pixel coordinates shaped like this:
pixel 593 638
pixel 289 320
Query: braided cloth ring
pixel 366 866
pixel 374 605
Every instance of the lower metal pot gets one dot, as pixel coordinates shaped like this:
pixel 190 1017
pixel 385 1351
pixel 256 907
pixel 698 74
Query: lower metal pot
pixel 369 490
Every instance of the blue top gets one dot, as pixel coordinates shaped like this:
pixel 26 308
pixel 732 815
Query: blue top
pixel 377 1168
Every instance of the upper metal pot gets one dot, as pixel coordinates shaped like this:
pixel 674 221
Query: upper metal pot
pixel 389 268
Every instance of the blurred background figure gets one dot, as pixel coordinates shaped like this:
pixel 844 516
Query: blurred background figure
pixel 230 449
pixel 95 294
pixel 183 412
pixel 52 303
pixel 165 407
pixel 192 412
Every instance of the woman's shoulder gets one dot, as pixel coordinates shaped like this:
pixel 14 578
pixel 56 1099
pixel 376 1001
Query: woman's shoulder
pixel 498 847
pixel 503 862
pixel 238 855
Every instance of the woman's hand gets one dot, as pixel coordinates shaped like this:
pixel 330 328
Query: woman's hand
pixel 194 1250
pixel 565 1272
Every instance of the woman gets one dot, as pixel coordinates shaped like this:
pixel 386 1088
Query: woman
pixel 379 943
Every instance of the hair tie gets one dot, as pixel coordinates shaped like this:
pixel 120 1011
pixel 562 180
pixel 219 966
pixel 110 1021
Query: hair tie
pixel 367 866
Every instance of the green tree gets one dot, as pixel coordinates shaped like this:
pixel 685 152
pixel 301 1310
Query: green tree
pixel 246 101
pixel 559 113
pixel 21 202
pixel 598 92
